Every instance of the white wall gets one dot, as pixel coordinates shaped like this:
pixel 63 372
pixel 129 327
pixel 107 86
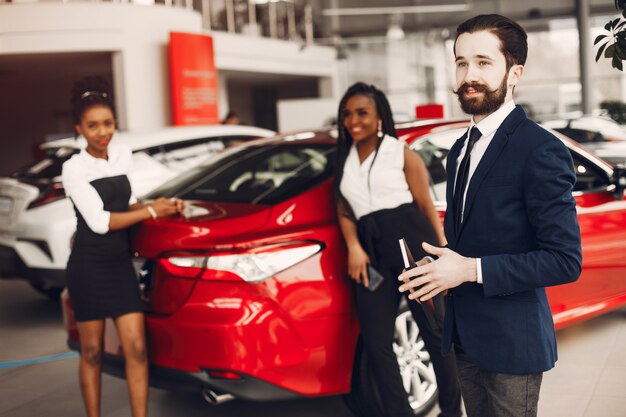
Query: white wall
pixel 139 33
pixel 306 113
pixel 399 67
pixel 313 113
pixel 235 52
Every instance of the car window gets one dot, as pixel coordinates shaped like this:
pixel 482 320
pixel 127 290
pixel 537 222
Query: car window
pixel 582 135
pixel 588 175
pixel 434 150
pixel 264 174
pixel 434 157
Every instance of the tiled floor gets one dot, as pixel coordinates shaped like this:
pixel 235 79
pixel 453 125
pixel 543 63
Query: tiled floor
pixel 588 381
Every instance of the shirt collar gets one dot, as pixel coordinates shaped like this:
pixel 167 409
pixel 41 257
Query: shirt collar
pixel 112 156
pixel 491 123
pixel 89 157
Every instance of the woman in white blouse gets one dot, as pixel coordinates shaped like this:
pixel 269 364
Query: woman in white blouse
pixel 100 276
pixel 382 195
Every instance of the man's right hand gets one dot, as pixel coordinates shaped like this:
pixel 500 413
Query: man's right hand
pixel 449 271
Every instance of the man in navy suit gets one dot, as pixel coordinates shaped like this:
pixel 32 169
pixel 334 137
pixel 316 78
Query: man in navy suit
pixel 511 228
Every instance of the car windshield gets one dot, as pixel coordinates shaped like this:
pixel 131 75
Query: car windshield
pixel 257 174
pixel 582 135
pixel 434 150
pixel 48 168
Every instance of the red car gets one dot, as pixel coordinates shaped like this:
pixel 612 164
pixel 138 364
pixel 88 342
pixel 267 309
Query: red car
pixel 247 294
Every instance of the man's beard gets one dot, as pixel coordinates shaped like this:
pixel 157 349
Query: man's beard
pixel 490 101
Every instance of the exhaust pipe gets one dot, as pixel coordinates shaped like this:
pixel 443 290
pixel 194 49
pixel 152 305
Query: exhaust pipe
pixel 215 398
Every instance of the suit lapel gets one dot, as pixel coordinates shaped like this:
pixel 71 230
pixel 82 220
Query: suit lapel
pixel 491 155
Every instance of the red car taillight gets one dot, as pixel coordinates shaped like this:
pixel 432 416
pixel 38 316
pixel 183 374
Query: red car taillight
pixel 177 274
pixel 249 264
pixel 53 193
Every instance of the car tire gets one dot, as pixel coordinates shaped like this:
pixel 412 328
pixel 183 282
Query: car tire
pixel 415 366
pixel 53 293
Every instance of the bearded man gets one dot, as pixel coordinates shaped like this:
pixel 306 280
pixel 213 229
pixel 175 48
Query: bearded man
pixel 511 229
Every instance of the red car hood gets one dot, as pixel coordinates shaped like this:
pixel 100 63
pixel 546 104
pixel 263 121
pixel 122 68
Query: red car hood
pixel 202 225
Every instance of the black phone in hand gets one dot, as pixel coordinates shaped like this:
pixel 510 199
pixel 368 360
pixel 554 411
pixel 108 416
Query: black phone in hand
pixel 374 278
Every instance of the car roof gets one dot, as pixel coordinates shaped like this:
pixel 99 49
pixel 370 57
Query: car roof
pixel 149 138
pixel 327 135
pixel 428 122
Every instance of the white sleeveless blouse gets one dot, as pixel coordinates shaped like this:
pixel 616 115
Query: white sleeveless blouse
pixel 387 183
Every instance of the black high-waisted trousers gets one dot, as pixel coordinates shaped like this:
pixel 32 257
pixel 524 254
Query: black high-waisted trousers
pixel 379 233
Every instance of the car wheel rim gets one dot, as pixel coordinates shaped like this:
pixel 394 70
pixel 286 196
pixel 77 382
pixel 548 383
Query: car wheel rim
pixel 416 367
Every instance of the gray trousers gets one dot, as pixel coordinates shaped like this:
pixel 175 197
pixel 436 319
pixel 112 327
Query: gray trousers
pixel 491 394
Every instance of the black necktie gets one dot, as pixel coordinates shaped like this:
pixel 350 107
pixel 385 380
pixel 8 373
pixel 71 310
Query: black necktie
pixel 462 177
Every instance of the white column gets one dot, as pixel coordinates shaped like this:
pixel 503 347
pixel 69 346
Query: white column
pixel 118 90
pixel 222 95
pixel 582 14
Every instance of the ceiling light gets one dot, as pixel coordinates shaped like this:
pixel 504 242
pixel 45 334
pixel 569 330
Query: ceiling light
pixel 395 33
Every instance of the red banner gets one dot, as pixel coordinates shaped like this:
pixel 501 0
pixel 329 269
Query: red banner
pixel 193 79
pixel 429 111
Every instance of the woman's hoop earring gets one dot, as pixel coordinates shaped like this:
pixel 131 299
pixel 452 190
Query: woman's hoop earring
pixel 380 129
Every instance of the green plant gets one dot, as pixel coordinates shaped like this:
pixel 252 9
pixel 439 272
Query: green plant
pixel 613 45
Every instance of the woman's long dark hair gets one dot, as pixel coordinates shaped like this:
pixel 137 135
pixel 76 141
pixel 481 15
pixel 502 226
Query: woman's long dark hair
pixel 344 142
pixel 89 92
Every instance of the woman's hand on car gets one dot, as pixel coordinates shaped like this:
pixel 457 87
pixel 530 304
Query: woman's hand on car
pixel 167 206
pixel 357 264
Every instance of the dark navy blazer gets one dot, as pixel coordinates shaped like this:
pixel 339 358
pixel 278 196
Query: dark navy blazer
pixel 520 219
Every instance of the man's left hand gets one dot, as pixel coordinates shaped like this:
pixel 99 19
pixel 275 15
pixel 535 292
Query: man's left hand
pixel 449 271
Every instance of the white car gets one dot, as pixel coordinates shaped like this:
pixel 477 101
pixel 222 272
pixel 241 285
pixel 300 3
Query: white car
pixel 589 129
pixel 37 221
pixel 601 135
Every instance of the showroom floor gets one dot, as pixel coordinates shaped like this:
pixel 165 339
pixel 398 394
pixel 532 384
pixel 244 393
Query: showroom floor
pixel 587 382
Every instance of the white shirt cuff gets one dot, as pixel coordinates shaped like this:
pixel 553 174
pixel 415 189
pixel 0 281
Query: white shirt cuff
pixel 479 272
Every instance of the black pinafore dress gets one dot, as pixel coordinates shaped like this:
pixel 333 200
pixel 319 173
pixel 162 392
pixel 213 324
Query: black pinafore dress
pixel 100 275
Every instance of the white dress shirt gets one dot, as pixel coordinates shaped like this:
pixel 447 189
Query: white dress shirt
pixel 78 173
pixel 487 127
pixel 387 186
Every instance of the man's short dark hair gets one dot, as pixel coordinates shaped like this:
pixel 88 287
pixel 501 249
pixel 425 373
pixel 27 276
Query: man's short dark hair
pixel 513 38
